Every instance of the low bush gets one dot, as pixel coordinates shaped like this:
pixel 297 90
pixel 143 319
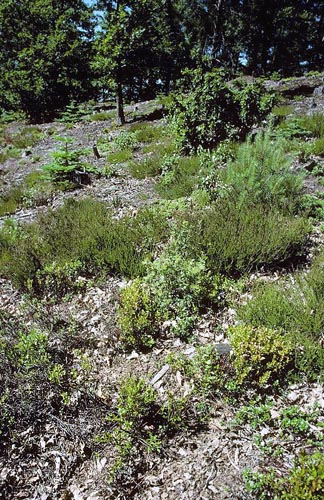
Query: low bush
pixel 297 308
pixel 141 423
pixel 146 132
pixel 209 110
pixel 261 174
pixel 305 481
pixel 82 231
pixel 262 355
pixel 151 164
pixel 237 239
pixel 314 124
pixel 68 166
pixel 178 176
pixel 203 370
pixel 125 141
pixel 137 316
pixel 169 298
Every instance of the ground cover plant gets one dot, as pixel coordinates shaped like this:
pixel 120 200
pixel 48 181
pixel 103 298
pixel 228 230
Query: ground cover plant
pixel 82 234
pixel 165 339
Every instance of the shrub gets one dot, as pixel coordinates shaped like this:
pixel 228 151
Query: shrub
pixel 125 141
pixel 296 308
pixel 314 124
pixel 261 355
pixel 212 110
pixel 74 113
pixel 146 132
pixel 203 370
pixel 68 167
pixel 83 231
pixel 151 165
pixel 178 176
pixel 305 481
pixel 170 296
pixel 102 116
pixel 237 238
pixel 260 174
pixel 25 138
pixel 136 316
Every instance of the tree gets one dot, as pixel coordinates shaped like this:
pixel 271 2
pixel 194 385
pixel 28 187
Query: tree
pixel 44 55
pixel 139 49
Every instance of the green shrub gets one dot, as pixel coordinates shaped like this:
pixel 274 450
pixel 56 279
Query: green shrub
pixel 314 124
pixel 146 132
pixel 305 481
pixel 211 110
pixel 25 138
pixel 141 424
pixel 125 141
pixel 237 238
pixel 313 205
pixel 68 167
pixel 298 309
pixel 291 128
pixel 261 355
pixel 151 165
pixel 203 370
pixel 74 113
pixel 178 176
pixel 317 147
pixel 83 231
pixel 170 297
pixel 102 116
pixel 119 157
pixel 58 280
pixel 261 173
pixel 137 316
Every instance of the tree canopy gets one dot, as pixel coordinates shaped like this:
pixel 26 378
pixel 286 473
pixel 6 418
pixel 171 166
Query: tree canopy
pixel 53 51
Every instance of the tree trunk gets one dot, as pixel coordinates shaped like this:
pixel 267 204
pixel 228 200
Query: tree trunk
pixel 120 106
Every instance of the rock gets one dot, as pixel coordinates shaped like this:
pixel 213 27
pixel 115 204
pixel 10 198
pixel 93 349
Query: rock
pixel 318 91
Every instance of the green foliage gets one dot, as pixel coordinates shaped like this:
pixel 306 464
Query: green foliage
pixel 261 355
pixel 297 308
pixel 178 176
pixel 136 316
pixel 125 141
pixel 102 116
pixel 214 110
pixel 67 167
pixel 305 481
pixel 44 55
pixel 119 157
pixel 150 166
pixel 26 137
pixel 203 370
pixel 31 349
pixel 141 422
pixel 82 231
pixel 146 132
pixel 313 205
pixel 256 414
pixel 261 174
pixel 314 124
pixel 169 297
pixel 292 128
pixel 74 113
pixel 237 238
pixel 317 147
pixel 57 280
pixel 33 191
pixel 282 111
